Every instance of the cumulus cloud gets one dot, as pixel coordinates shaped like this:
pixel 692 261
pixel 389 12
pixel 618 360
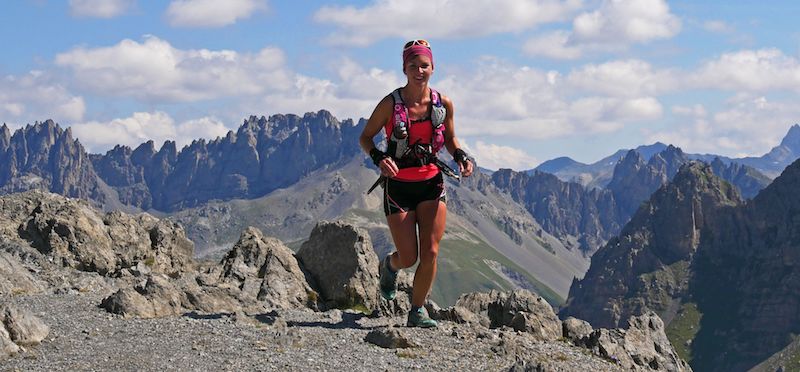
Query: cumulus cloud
pixel 750 71
pixel 36 96
pixel 491 156
pixel 614 26
pixel 500 99
pixel 155 71
pixel 140 127
pixel 747 126
pixel 626 78
pixel 211 13
pixel 439 18
pixel 100 8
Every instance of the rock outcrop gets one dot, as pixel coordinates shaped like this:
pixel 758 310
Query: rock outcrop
pixel 74 234
pixel 342 264
pixel 643 345
pixel 18 330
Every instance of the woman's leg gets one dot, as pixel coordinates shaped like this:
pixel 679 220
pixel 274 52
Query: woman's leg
pixel 403 226
pixel 431 217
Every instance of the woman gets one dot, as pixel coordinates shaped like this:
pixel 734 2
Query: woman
pixel 417 122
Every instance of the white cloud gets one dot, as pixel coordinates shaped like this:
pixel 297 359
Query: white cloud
pixel 748 126
pixel 155 71
pixel 499 99
pixel 100 8
pixel 491 156
pixel 211 13
pixel 143 126
pixel 35 96
pixel 627 78
pixel 750 71
pixel 439 18
pixel 614 26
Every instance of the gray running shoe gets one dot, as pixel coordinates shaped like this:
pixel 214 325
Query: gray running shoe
pixel 388 280
pixel 420 318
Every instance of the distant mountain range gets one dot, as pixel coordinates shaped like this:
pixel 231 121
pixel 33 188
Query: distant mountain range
pixel 599 173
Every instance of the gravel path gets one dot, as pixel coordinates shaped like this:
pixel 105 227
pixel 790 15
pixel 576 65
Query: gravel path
pixel 86 338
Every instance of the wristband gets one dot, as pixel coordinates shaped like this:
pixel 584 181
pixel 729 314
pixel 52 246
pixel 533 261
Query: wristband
pixel 460 156
pixel 377 156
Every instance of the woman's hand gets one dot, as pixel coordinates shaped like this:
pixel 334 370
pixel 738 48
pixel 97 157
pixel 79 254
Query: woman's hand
pixel 388 167
pixel 465 168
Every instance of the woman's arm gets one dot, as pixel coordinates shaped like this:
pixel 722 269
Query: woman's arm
pixel 465 167
pixel 380 116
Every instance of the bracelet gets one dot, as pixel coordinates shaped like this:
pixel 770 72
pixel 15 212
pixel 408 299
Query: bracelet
pixel 377 156
pixel 460 156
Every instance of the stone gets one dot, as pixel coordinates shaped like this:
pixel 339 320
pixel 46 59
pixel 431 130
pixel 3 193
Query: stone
pixel 129 303
pixel 574 329
pixel 342 265
pixel 526 312
pixel 389 338
pixel 23 328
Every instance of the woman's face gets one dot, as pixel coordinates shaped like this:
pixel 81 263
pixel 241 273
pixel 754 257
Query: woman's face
pixel 418 69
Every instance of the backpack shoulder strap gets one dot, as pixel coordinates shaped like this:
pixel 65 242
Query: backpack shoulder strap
pixel 438 111
pixel 400 113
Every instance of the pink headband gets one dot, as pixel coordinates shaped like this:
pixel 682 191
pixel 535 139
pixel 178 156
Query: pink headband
pixel 416 50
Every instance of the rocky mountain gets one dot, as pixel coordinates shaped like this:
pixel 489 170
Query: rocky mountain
pixel 44 156
pixel 263 306
pixel 773 162
pixel 720 272
pixel 587 217
pixel 262 156
pixel 582 219
pixel 599 174
pixel 596 174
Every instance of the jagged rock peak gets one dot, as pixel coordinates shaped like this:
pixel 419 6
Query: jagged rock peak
pixel 792 139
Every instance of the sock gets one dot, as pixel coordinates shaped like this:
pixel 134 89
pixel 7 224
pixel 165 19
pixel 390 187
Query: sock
pixel 415 308
pixel 389 264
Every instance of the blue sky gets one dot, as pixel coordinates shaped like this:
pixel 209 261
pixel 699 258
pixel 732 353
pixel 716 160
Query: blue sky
pixel 531 79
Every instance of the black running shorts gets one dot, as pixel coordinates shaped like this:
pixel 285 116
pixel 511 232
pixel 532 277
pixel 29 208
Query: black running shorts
pixel 404 196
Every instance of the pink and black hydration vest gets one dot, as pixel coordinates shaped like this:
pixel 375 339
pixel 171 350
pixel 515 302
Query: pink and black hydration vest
pixel 415 153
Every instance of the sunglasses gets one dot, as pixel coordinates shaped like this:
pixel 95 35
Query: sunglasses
pixel 422 42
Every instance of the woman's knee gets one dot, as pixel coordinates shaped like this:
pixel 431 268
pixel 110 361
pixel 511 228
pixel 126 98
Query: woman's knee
pixel 429 254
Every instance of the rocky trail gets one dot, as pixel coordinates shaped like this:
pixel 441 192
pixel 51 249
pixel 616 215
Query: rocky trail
pixel 83 290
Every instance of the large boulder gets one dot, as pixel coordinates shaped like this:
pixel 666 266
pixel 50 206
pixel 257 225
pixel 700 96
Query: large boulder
pixel 643 345
pixel 14 277
pixel 264 269
pixel 526 312
pixel 19 329
pixel 342 264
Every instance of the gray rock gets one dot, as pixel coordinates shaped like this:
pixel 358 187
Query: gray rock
pixel 23 328
pixel 342 264
pixel 129 303
pixel 7 347
pixel 644 345
pixel 164 297
pixel 264 269
pixel 526 312
pixel 15 278
pixel 575 329
pixel 74 234
pixel 389 338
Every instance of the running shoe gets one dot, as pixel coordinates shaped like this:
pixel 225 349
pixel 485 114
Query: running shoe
pixel 420 318
pixel 388 280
